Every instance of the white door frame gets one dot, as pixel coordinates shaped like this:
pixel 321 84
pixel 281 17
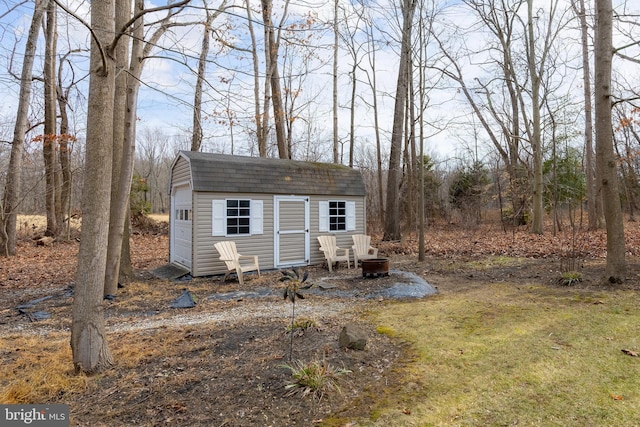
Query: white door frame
pixel 305 258
pixel 183 260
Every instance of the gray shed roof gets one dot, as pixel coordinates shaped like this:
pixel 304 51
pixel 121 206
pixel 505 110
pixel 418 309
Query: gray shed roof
pixel 241 174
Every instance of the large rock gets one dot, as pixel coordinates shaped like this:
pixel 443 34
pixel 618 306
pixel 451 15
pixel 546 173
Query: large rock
pixel 352 337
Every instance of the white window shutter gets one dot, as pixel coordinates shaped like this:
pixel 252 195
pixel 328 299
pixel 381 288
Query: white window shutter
pixel 256 217
pixel 218 217
pixel 323 216
pixel 351 216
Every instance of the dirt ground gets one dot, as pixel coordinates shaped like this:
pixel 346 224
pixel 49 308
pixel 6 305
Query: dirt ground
pixel 222 362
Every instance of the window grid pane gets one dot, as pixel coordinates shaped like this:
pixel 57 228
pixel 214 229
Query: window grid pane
pixel 337 215
pixel 238 216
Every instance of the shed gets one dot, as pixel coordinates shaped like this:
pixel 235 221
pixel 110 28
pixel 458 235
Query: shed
pixel 272 208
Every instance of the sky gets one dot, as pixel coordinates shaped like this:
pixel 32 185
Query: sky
pixel 167 91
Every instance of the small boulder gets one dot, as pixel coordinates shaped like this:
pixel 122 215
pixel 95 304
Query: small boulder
pixel 352 337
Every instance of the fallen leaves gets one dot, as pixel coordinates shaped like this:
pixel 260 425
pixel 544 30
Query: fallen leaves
pixel 489 239
pixel 630 352
pixel 54 265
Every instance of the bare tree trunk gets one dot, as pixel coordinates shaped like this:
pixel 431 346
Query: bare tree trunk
pixel 392 215
pixel 274 77
pixel 537 225
pixel 261 120
pixel 50 139
pixel 422 101
pixel 336 141
pixel 352 115
pixel 88 336
pixel 594 204
pixel 122 181
pixel 376 123
pixel 616 268
pixel 123 15
pixel 126 268
pixel 410 154
pixel 278 109
pixel 64 157
pixel 10 202
pixel 196 139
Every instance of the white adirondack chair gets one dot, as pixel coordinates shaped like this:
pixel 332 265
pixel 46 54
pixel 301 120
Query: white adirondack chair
pixel 229 254
pixel 331 250
pixel 362 248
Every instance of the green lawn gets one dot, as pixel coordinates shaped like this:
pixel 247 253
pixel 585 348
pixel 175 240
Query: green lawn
pixel 507 354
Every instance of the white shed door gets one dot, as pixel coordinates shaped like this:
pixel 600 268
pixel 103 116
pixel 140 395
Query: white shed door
pixel 291 240
pixel 181 235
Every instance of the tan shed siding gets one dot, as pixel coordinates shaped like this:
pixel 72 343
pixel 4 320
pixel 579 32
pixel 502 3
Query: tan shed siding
pixel 181 172
pixel 291 248
pixel 290 218
pixel 205 257
pixel 343 238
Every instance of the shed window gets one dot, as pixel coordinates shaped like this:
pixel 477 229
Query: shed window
pixel 236 217
pixel 337 215
pixel 183 214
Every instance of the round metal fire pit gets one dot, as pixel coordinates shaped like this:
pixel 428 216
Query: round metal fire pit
pixel 375 267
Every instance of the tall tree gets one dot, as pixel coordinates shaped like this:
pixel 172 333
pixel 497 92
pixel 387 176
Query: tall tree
pixel 196 138
pixel 261 116
pixel 373 84
pixel 537 225
pixel 272 44
pixel 539 47
pixel 88 336
pixel 392 215
pixel 51 137
pixel 125 117
pixel 88 341
pixel 336 47
pixel 11 198
pixel 616 267
pixel 119 168
pixel 500 117
pixel 594 203
pixel 351 31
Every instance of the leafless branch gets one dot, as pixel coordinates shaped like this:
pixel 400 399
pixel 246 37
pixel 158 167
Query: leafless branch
pixel 123 30
pixel 93 33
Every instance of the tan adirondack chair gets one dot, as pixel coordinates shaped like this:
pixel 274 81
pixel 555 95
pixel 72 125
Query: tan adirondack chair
pixel 362 248
pixel 229 254
pixel 331 250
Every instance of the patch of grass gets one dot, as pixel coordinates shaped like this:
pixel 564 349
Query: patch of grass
pixel 37 369
pixel 314 378
pixel 302 323
pixel 526 355
pixel 386 330
pixel 480 263
pixel 570 278
pixel 494 261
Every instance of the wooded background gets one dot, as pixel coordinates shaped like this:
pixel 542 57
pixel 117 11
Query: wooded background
pixel 449 109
